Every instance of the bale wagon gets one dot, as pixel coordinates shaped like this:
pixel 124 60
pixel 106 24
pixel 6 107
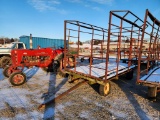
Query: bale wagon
pixel 150 75
pixel 107 65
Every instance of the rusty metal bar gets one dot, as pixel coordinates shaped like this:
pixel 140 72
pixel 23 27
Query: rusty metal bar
pixel 108 43
pixel 87 32
pixel 130 49
pixel 149 53
pixel 61 95
pixel 82 24
pixel 91 55
pixel 78 37
pixel 140 54
pixel 65 41
pixel 119 47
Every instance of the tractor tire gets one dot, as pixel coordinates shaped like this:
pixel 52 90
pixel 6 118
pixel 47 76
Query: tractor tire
pixel 57 61
pixel 57 64
pixel 59 57
pixel 17 78
pixel 104 90
pixel 82 59
pixel 50 68
pixel 45 69
pixel 129 75
pixel 5 60
pixel 6 73
pixel 54 67
pixel 0 62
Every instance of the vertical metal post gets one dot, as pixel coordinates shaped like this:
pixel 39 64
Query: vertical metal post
pixel 150 50
pixel 130 48
pixel 65 41
pixel 91 56
pixel 78 37
pixel 119 47
pixel 108 44
pixel 102 44
pixel 138 44
pixel 30 41
pixel 140 53
pixel 155 44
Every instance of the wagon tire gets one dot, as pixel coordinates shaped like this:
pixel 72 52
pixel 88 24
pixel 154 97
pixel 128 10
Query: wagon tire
pixel 17 78
pixel 152 92
pixel 129 75
pixel 6 72
pixel 5 60
pixel 104 90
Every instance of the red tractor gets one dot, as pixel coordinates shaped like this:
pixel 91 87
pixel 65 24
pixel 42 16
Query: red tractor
pixel 21 58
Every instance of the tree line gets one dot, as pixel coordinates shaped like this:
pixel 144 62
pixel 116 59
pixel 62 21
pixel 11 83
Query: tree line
pixel 7 40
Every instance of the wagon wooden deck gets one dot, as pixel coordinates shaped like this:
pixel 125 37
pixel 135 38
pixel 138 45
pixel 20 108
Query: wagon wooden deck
pixel 98 70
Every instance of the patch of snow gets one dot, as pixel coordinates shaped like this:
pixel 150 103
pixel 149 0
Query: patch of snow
pixel 60 107
pixel 84 114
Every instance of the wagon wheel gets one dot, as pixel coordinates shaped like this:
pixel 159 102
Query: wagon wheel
pixel 5 60
pixel 6 72
pixel 71 79
pixel 17 78
pixel 104 90
pixel 152 92
pixel 129 75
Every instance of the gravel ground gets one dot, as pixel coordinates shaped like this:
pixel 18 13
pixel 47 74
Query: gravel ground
pixel 126 100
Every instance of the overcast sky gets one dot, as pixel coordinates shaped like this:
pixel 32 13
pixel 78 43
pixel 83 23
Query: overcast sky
pixel 45 18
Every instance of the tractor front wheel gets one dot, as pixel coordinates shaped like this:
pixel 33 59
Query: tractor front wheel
pixel 104 90
pixel 17 78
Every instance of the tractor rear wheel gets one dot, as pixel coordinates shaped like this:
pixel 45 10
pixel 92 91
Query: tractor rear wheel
pixel 17 78
pixel 0 62
pixel 104 90
pixel 5 60
pixel 45 69
pixel 6 72
pixel 82 59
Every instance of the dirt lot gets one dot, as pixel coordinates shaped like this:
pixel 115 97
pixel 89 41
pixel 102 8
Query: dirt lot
pixel 125 101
